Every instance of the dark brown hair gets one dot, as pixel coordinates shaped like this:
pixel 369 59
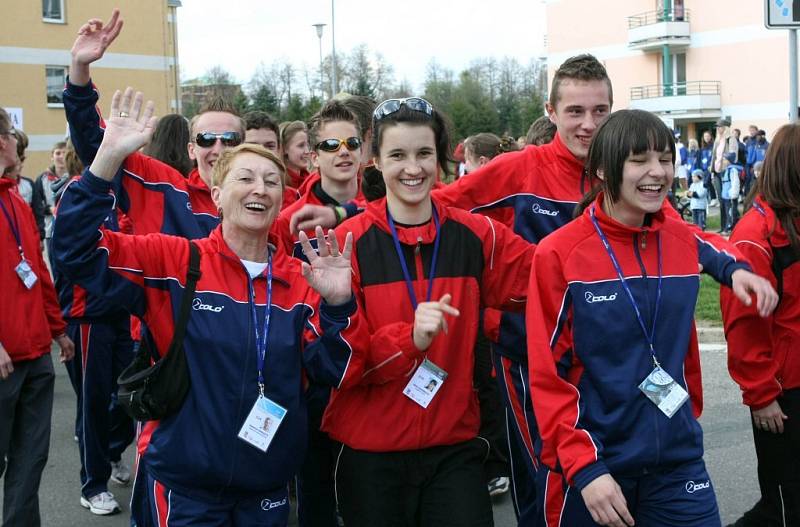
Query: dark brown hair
pixel 541 132
pixel 488 145
pixel 333 111
pixel 779 183
pixel 624 133
pixel 582 68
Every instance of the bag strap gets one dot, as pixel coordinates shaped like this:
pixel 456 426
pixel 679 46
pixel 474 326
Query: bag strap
pixel 192 275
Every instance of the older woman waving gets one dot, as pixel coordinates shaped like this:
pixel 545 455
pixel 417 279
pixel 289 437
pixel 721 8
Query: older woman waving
pixel 257 324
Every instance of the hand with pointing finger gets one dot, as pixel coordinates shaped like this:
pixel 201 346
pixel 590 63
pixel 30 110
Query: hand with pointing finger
pixel 429 320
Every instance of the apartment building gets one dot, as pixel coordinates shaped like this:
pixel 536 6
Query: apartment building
pixel 689 61
pixel 35 41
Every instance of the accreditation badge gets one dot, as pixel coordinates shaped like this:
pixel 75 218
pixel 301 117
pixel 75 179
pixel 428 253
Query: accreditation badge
pixel 26 274
pixel 661 388
pixel 262 423
pixel 425 383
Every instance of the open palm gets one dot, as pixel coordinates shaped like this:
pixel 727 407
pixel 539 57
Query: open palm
pixel 329 272
pixel 94 38
pixel 130 125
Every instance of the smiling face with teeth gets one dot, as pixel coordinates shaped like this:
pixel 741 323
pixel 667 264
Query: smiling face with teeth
pixel 646 178
pixel 408 162
pixel 249 195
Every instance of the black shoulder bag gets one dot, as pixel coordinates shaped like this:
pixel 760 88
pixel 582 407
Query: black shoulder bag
pixel 148 391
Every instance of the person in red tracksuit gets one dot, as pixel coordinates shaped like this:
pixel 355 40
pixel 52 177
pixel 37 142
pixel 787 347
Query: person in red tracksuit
pixel 30 320
pixel 614 362
pixel 422 271
pixel 295 148
pixel 763 352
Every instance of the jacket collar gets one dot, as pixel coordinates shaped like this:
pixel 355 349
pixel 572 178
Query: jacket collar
pixel 614 229
pixel 426 233
pixel 281 263
pixel 6 183
pixel 196 182
pixel 569 164
pixel 774 231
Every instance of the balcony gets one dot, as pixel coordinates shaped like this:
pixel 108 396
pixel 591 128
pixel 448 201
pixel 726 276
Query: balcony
pixel 681 100
pixel 652 30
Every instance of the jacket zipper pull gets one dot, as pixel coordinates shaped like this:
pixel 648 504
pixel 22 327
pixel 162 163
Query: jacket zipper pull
pixel 644 239
pixel 418 248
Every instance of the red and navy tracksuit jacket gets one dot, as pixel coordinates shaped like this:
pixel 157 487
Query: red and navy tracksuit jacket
pixel 588 354
pixel 480 263
pixel 29 318
pixel 763 352
pixel 196 451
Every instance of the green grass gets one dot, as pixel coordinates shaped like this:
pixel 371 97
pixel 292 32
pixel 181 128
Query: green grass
pixel 707 308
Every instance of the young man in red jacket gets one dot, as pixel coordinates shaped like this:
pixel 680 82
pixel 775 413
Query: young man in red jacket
pixel 535 191
pixel 26 369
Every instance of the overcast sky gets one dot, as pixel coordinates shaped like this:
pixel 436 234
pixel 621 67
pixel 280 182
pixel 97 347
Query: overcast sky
pixel 239 34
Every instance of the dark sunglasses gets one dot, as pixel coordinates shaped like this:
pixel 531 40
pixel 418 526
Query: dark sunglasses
pixel 333 145
pixel 207 139
pixel 391 106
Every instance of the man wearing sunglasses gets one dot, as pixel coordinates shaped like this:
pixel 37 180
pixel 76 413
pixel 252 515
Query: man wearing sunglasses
pixel 335 135
pixel 336 154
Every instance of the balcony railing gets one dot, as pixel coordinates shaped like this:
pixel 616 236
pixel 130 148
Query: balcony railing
pixel 680 14
pixel 675 89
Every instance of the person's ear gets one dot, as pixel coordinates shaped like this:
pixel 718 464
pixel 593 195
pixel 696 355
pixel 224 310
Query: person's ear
pixel 600 174
pixel 314 155
pixel 190 148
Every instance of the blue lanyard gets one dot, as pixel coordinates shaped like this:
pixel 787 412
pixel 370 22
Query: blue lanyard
pixel 13 224
pixel 649 335
pixel 403 265
pixel 261 336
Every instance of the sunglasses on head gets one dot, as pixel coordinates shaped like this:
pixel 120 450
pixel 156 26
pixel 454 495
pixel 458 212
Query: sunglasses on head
pixel 333 145
pixel 206 139
pixel 390 106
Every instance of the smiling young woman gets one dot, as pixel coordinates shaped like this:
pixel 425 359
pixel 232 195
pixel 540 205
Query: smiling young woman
pixel 614 366
pixel 422 271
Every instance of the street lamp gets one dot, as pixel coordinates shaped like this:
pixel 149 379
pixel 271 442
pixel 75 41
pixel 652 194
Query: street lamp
pixel 319 27
pixel 334 77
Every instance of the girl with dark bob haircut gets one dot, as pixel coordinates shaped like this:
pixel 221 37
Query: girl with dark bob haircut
pixel 763 353
pixel 614 362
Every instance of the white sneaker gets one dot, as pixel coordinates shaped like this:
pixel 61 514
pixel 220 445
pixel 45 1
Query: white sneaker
pixel 498 486
pixel 120 474
pixel 101 504
pixel 713 203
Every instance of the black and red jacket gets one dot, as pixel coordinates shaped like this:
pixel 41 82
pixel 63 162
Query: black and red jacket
pixel 480 263
pixel 763 353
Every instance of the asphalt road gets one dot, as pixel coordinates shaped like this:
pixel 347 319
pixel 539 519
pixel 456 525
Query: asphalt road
pixel 730 456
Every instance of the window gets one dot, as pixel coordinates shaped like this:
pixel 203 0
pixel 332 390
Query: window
pixel 56 79
pixel 53 10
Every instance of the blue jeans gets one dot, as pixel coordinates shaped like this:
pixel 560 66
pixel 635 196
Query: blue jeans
pixel 699 218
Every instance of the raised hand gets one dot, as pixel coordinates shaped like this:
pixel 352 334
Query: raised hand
pixel 91 44
pixel 429 320
pixel 128 128
pixel 329 271
pixel 745 283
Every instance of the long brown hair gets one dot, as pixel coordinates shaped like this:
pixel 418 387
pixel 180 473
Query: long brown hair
pixel 779 183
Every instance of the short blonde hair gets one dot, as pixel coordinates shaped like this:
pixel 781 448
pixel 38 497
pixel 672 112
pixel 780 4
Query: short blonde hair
pixel 223 165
